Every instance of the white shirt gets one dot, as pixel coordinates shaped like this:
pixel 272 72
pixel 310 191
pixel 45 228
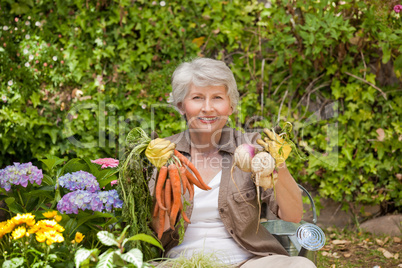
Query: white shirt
pixel 207 233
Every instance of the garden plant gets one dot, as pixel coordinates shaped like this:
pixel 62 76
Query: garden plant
pixel 77 76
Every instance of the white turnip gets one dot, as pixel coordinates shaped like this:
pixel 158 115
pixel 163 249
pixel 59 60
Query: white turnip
pixel 269 181
pixel 243 156
pixel 261 165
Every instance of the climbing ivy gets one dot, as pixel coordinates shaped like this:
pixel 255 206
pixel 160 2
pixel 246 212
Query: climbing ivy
pixel 75 76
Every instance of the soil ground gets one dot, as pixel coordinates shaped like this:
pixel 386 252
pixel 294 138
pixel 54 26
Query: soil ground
pixel 351 248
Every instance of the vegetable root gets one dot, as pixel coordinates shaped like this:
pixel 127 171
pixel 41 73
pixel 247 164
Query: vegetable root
pixel 176 189
pixel 168 195
pixel 159 186
pixel 261 165
pixel 173 181
pixel 191 166
pixel 161 219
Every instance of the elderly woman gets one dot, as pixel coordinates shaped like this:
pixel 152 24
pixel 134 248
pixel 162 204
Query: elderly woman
pixel 224 220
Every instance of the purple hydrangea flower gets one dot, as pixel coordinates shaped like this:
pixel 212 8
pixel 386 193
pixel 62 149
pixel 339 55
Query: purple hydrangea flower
pixel 85 200
pixel 20 174
pixel 110 199
pixel 72 202
pixel 79 180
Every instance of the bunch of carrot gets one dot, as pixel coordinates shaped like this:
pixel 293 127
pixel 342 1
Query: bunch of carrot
pixel 175 179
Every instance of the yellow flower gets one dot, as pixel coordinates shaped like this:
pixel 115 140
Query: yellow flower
pixel 52 215
pixel 34 229
pixel 40 237
pixel 19 232
pixel 6 227
pixel 53 236
pixel 26 218
pixel 48 225
pixel 58 218
pixel 78 237
pixel 2 227
pixel 44 226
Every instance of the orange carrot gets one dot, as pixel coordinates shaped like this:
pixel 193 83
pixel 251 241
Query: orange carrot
pixel 176 190
pixel 183 177
pixel 197 174
pixel 190 188
pixel 183 214
pixel 162 215
pixel 168 195
pixel 156 210
pixel 193 180
pixel 159 185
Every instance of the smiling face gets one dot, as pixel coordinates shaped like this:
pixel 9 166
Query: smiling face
pixel 206 108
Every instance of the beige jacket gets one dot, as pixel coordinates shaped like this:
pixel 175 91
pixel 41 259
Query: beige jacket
pixel 238 210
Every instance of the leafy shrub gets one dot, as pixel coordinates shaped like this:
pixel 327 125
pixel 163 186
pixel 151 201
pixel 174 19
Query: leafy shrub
pixel 97 69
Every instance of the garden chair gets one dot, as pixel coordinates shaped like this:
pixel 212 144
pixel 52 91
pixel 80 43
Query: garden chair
pixel 299 239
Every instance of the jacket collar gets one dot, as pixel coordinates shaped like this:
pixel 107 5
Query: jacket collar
pixel 226 143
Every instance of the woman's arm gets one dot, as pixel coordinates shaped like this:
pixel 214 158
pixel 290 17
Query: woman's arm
pixel 288 196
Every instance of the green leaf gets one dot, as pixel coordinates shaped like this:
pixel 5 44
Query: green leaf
pixel 42 191
pixel 13 206
pixel 368 95
pixel 107 238
pixel 106 259
pixel 51 161
pixel 104 182
pixel 35 98
pixel 13 263
pixel 52 132
pixel 145 238
pixel 83 254
pixel 133 256
pixel 120 238
pixel 17 8
pixel 74 165
pixel 93 168
pixel 398 63
pixel 70 225
pixel 47 180
pixel 386 53
pixel 348 153
pixel 85 217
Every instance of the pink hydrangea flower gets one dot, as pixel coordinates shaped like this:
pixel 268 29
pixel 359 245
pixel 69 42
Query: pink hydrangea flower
pixel 398 8
pixel 113 182
pixel 106 162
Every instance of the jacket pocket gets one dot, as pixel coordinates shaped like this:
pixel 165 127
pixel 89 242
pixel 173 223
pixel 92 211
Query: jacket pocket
pixel 246 205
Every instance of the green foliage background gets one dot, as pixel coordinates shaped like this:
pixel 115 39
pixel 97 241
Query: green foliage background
pixel 75 76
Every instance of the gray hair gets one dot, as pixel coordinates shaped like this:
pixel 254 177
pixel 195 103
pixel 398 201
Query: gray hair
pixel 203 72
